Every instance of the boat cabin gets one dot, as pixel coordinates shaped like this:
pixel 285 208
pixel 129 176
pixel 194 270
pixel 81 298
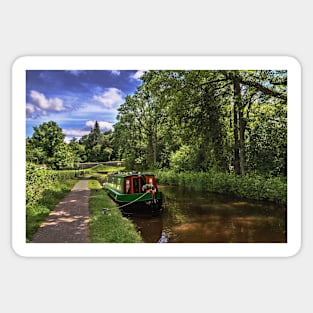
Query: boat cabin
pixel 131 183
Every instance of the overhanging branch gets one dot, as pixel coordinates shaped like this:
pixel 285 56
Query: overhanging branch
pixel 265 90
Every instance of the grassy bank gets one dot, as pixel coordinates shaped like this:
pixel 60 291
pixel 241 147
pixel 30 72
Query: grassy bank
pixel 105 168
pixel 101 169
pixel 252 187
pixel 112 226
pixel 100 172
pixel 44 190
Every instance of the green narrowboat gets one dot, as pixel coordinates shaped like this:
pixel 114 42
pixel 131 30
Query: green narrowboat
pixel 134 190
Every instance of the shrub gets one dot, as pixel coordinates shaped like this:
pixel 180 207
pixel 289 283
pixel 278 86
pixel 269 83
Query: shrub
pixel 37 181
pixel 182 159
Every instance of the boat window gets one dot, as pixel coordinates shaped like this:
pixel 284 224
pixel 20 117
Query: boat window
pixel 136 185
pixel 127 185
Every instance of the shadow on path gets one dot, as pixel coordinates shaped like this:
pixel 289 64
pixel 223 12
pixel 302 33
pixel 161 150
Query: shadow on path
pixel 68 222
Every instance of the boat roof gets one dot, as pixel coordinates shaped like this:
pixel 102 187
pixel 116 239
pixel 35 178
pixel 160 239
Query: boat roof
pixel 129 174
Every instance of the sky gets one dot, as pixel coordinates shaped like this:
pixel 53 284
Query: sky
pixel 75 99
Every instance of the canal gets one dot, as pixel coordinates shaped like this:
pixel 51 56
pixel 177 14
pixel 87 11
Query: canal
pixel 200 217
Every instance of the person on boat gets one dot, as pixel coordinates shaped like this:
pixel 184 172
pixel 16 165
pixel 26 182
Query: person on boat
pixel 148 187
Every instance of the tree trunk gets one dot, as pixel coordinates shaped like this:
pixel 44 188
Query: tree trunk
pixel 155 146
pixel 242 149
pixel 150 150
pixel 239 134
pixel 236 139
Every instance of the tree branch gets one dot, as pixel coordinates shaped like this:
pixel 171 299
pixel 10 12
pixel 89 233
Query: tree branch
pixel 265 90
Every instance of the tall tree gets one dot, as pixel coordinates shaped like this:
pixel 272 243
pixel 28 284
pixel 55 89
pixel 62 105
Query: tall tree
pixel 98 147
pixel 204 117
pixel 247 87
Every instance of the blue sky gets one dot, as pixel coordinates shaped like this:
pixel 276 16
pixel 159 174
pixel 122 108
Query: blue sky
pixel 76 99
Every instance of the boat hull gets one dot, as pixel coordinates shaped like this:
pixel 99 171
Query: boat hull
pixel 138 201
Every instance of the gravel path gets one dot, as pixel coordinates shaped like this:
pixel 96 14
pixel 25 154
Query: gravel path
pixel 68 222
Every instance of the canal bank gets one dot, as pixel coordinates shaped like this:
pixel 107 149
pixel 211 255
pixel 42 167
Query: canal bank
pixel 249 186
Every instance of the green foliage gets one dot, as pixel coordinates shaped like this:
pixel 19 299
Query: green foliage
pixel 99 172
pixel 99 177
pixel 110 227
pixel 101 168
pixel 63 157
pixel 233 120
pixel 97 146
pixel 254 187
pixel 267 139
pixel 38 180
pixel 47 146
pixel 78 150
pixel 47 139
pixel 182 159
pixel 34 217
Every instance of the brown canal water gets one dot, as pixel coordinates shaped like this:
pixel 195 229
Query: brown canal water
pixel 200 217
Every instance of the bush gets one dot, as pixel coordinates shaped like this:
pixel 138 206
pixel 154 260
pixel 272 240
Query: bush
pixel 182 159
pixel 37 181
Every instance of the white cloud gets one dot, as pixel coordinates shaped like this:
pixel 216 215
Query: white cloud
pixel 90 109
pixel 117 73
pixel 104 126
pixel 78 133
pixel 68 139
pixel 41 104
pixel 76 72
pixel 111 98
pixel 30 110
pixel 137 75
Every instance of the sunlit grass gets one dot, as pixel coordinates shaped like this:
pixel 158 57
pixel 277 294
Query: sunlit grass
pixel 111 226
pixel 106 168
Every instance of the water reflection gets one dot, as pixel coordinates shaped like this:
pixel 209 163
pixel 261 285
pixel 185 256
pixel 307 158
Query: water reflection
pixel 165 236
pixel 199 217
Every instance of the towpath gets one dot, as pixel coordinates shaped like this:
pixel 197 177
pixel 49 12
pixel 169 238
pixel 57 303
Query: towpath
pixel 68 222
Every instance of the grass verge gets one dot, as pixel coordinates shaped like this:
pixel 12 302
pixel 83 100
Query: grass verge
pixel 112 226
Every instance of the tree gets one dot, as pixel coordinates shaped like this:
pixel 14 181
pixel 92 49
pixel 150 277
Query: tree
pixel 96 145
pixel 47 146
pixel 267 139
pixel 143 122
pixel 78 150
pixel 45 140
pixel 209 117
pixel 264 85
pixel 63 157
pixel 47 136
